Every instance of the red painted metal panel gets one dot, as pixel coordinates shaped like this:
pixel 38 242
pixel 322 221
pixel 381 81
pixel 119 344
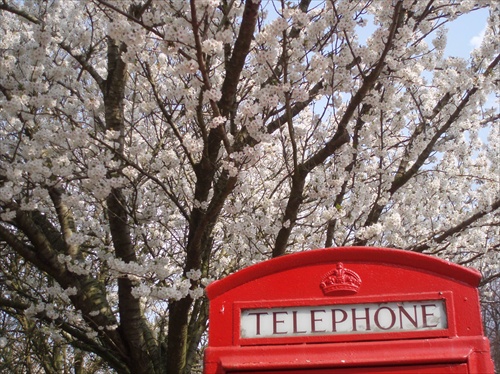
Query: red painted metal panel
pixel 393 257
pixel 346 355
pixel 417 369
pixel 338 281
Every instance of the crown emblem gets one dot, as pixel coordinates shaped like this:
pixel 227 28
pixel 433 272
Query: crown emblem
pixel 340 281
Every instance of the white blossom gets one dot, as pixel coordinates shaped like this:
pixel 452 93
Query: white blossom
pixel 194 274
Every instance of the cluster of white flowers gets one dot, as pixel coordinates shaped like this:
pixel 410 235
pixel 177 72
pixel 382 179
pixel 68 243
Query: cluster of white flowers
pixel 47 308
pixel 194 274
pixel 216 122
pixel 213 47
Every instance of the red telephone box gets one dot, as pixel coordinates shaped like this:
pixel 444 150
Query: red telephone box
pixel 345 311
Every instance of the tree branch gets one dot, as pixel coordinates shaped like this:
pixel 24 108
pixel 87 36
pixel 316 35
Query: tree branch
pixel 19 12
pixel 238 57
pixel 84 64
pixel 340 137
pixel 457 228
pixel 65 220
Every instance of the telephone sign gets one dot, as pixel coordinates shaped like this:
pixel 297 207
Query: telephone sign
pixel 347 310
pixel 343 319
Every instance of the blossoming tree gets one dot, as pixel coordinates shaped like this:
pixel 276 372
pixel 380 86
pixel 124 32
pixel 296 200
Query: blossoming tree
pixel 149 147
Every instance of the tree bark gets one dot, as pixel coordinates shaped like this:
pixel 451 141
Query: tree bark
pixel 132 324
pixel 203 221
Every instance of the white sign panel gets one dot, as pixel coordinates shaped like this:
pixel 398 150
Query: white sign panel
pixel 343 319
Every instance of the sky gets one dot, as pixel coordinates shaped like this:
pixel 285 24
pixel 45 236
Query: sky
pixel 465 33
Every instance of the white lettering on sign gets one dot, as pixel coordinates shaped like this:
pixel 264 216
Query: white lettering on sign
pixel 343 319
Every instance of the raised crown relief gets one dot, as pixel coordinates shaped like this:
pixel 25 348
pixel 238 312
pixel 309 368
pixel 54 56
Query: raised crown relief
pixel 340 281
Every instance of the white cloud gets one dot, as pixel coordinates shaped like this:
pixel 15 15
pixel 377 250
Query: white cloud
pixel 476 40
